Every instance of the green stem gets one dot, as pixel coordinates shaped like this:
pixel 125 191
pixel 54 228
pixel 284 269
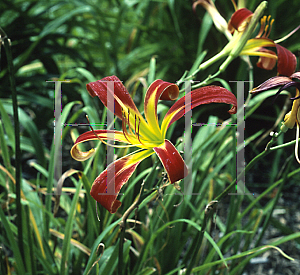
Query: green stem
pixel 204 82
pixel 7 48
pixel 215 58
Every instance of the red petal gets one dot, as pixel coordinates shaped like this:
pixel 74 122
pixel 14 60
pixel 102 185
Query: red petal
pixel 239 18
pixel 122 100
pixel 102 189
pixel 296 75
pixel 104 134
pixel 77 154
pixel 287 61
pixel 204 95
pixel 271 83
pixel 99 88
pixel 172 161
pixel 266 63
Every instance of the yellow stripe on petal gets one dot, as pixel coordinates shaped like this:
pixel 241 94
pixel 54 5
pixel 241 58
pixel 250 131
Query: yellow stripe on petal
pixel 259 53
pixel 257 43
pixel 108 184
pixel 136 122
pixel 158 89
pixel 137 157
pixel 168 118
pixel 151 111
pixel 204 95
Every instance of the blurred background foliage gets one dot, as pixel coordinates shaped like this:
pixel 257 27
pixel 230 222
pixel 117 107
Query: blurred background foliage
pixel 137 40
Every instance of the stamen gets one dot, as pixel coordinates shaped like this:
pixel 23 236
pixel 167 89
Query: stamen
pixel 138 132
pixel 129 125
pixel 269 17
pixel 270 28
pixel 96 133
pixel 102 140
pixel 234 4
pixel 266 30
pixel 262 26
pixel 128 118
pixel 125 133
pixel 135 123
pixel 287 36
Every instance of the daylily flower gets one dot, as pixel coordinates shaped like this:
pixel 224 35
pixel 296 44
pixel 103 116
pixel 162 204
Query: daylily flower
pixel 286 61
pixel 292 117
pixel 143 133
pixel 242 25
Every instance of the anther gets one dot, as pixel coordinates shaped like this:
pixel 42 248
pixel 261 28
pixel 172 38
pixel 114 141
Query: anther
pixel 138 131
pixel 270 28
pixel 128 117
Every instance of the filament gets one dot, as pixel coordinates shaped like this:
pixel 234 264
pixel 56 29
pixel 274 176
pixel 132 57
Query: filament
pixel 126 120
pixel 271 23
pixel 262 26
pixel 126 134
pixel 102 140
pixel 138 136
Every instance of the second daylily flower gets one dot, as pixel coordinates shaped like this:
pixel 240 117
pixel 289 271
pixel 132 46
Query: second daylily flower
pixel 146 134
pixel 242 24
pixel 286 61
pixel 292 117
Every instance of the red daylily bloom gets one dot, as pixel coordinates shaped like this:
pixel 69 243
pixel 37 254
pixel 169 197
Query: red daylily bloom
pixel 286 61
pixel 239 31
pixel 146 134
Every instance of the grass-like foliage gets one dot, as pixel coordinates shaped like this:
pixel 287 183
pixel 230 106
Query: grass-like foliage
pixel 50 223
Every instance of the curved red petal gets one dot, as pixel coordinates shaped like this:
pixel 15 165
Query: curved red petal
pixel 287 61
pixel 77 154
pixel 172 161
pixel 296 75
pixel 271 83
pixel 105 189
pixel 239 18
pixel 203 95
pixel 266 63
pixel 99 88
pixel 121 103
pixel 105 134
